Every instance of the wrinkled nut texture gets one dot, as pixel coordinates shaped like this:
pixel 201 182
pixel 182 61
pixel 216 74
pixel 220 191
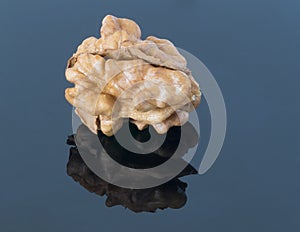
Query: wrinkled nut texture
pixel 121 76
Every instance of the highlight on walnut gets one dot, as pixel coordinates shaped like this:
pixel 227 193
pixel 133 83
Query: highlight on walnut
pixel 147 79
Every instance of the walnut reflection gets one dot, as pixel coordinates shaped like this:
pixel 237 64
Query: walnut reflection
pixel 169 195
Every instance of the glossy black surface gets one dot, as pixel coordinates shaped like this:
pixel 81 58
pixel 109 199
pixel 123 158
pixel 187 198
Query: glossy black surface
pixel 168 195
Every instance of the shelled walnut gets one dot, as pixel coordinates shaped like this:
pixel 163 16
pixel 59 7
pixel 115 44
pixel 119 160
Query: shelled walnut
pixel 121 76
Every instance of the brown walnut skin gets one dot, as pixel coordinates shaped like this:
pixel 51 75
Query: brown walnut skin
pixel 145 80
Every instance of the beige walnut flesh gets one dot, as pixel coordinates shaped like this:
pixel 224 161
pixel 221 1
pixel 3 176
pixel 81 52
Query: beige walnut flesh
pixel 121 76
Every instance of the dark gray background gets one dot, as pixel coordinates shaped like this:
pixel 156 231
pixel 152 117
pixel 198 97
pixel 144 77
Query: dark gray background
pixel 251 47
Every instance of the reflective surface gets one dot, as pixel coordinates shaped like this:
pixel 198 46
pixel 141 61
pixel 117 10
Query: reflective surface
pixel 168 195
pixel 252 49
pixel 167 155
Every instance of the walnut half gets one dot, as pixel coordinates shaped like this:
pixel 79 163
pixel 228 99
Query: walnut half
pixel 121 76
